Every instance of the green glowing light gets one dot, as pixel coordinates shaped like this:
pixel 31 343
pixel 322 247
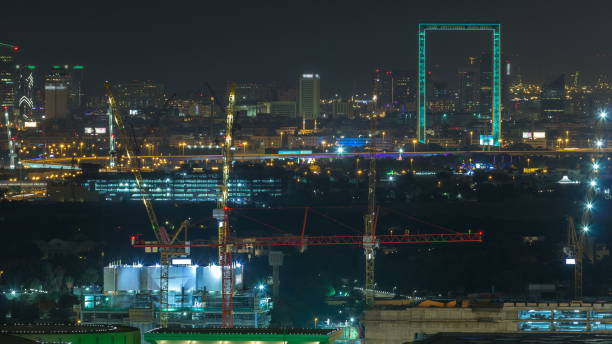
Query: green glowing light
pixel 496 94
pixel 78 67
pixel 56 67
pixel 31 67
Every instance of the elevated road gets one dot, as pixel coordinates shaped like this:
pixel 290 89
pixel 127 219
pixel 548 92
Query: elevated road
pixel 69 162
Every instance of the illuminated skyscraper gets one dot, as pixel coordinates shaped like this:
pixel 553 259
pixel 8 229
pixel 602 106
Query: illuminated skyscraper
pixel 57 82
pixel 26 81
pixel 310 96
pixel 469 87
pixel 7 74
pixel 393 88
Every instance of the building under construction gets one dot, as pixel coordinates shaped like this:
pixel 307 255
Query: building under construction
pixel 130 296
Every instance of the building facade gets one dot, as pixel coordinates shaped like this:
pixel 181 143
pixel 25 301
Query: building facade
pixel 310 96
pixel 401 325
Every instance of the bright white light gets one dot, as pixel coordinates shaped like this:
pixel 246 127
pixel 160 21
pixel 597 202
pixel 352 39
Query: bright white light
pixel 589 206
pixel 13 292
pixel 352 319
pixel 340 150
pixel 603 115
pixel 238 265
pixel 570 261
pixel 595 166
pixel 599 143
pixel 216 271
pixel 585 228
pixel 401 150
pixel 181 261
pixel 261 287
pixel 593 183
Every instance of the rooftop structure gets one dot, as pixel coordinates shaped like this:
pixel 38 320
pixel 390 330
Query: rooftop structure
pixel 406 324
pixel 242 335
pixel 70 333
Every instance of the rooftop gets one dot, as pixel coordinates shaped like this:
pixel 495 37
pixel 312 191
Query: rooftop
pixel 239 330
pixel 59 329
pixel 518 338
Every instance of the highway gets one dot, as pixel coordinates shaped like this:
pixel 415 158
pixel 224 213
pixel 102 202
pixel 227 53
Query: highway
pixel 67 162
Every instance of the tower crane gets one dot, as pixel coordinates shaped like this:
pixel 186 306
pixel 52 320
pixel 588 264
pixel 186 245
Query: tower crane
pixel 222 216
pixel 160 233
pixel 225 244
pixel 370 219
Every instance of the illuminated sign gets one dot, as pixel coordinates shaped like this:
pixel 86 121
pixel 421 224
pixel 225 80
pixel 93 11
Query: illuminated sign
pixel 570 261
pixel 100 130
pixel 487 140
pixel 533 135
pixel 181 261
pixel 30 124
pixel 88 130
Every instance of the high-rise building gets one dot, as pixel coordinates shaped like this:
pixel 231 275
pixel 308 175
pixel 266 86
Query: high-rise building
pixel 404 87
pixel 393 88
pixel 506 82
pixel 553 97
pixel 7 74
pixel 486 83
pixel 27 80
pixel 57 82
pixel 310 96
pixel 138 95
pixel 382 87
pixel 469 87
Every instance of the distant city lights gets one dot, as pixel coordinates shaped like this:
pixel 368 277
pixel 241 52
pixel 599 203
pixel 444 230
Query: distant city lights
pixel 603 115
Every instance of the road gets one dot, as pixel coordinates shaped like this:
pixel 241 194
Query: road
pixel 66 162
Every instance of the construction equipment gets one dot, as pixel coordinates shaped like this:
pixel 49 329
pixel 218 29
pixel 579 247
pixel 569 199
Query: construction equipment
pixel 222 216
pixel 370 219
pixel 161 235
pixel 12 142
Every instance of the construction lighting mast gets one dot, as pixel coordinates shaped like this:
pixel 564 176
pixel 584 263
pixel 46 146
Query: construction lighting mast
pixel 222 216
pixel 578 240
pixel 161 236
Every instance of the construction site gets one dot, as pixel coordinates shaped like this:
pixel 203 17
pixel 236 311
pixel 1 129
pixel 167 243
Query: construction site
pixel 181 299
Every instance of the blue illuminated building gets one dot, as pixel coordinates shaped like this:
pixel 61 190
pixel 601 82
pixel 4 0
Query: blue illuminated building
pixel 186 187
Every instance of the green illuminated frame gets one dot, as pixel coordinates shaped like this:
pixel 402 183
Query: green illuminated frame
pixel 496 102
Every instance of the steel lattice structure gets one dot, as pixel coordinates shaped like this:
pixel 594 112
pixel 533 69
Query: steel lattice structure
pixel 422 84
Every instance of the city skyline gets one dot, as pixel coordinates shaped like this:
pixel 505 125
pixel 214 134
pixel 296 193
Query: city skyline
pixel 276 43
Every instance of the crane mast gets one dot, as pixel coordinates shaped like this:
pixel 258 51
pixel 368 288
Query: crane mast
pixel 369 236
pixel 222 215
pixel 160 234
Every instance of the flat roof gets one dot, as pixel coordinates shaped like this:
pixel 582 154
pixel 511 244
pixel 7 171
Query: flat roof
pixel 247 330
pixel 61 328
pixel 518 338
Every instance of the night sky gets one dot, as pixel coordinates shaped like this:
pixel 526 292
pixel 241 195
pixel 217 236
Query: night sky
pixel 183 43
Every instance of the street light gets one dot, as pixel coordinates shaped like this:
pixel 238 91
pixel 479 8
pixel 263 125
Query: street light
pixel 414 142
pixel 589 206
pixel 599 143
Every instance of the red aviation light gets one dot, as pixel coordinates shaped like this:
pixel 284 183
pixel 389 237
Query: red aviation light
pixel 15 48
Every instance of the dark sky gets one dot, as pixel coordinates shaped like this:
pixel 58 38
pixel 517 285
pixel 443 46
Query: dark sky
pixel 183 43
